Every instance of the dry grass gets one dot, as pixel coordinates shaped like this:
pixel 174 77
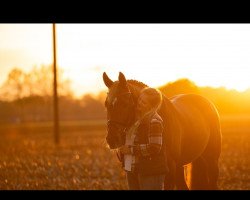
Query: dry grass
pixel 81 161
pixel 30 160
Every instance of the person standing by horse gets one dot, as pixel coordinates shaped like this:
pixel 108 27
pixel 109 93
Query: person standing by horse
pixel 192 135
pixel 144 158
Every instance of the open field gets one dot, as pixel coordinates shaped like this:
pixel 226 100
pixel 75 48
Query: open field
pixel 29 159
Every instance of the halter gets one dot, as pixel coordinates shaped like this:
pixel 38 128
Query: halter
pixel 119 125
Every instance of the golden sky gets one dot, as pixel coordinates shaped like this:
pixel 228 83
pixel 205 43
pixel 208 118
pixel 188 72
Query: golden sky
pixel 208 54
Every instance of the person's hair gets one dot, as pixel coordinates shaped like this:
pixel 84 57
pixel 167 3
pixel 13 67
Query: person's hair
pixel 154 97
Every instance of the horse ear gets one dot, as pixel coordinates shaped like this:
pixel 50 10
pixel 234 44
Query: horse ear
pixel 108 82
pixel 122 79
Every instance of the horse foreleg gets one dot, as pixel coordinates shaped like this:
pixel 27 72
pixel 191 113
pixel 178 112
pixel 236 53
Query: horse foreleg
pixel 180 178
pixel 170 180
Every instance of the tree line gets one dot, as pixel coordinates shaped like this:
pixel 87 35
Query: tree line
pixel 27 97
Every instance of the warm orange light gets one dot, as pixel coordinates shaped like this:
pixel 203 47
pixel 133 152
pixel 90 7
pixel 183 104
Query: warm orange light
pixel 208 54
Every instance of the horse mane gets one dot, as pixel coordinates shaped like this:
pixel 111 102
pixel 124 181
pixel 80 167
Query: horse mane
pixel 137 83
pixel 135 87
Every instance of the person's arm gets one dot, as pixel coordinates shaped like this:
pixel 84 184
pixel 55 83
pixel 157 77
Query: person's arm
pixel 155 141
pixel 119 155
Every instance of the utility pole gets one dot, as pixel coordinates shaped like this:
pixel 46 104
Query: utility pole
pixel 55 99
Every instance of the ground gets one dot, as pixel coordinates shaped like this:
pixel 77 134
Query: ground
pixel 29 159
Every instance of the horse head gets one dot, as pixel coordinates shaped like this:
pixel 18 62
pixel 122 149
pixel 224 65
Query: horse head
pixel 120 105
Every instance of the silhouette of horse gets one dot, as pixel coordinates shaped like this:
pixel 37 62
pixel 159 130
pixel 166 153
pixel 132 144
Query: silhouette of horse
pixel 191 131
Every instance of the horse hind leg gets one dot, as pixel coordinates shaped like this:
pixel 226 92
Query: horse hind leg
pixel 213 173
pixel 206 167
pixel 211 156
pixel 199 175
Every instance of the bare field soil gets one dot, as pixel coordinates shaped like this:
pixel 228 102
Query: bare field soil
pixel 29 159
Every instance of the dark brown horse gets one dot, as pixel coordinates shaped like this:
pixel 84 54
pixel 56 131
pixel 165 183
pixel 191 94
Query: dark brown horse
pixel 191 131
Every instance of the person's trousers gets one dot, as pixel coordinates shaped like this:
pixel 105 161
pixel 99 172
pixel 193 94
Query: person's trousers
pixel 138 181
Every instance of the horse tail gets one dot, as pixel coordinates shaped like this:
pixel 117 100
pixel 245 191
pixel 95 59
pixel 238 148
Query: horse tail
pixel 205 169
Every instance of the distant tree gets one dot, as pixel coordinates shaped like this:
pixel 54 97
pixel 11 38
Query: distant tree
pixel 13 88
pixel 28 97
pixel 102 96
pixel 92 107
pixel 37 82
pixel 226 101
pixel 181 86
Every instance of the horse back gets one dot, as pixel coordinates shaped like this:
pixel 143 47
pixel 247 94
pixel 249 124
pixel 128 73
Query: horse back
pixel 196 116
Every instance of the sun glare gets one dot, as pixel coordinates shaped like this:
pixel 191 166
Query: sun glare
pixel 208 54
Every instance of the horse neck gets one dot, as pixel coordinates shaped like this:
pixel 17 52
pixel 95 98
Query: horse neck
pixel 169 113
pixel 169 109
pixel 172 127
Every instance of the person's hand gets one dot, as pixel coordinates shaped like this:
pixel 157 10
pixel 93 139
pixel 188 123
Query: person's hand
pixel 125 149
